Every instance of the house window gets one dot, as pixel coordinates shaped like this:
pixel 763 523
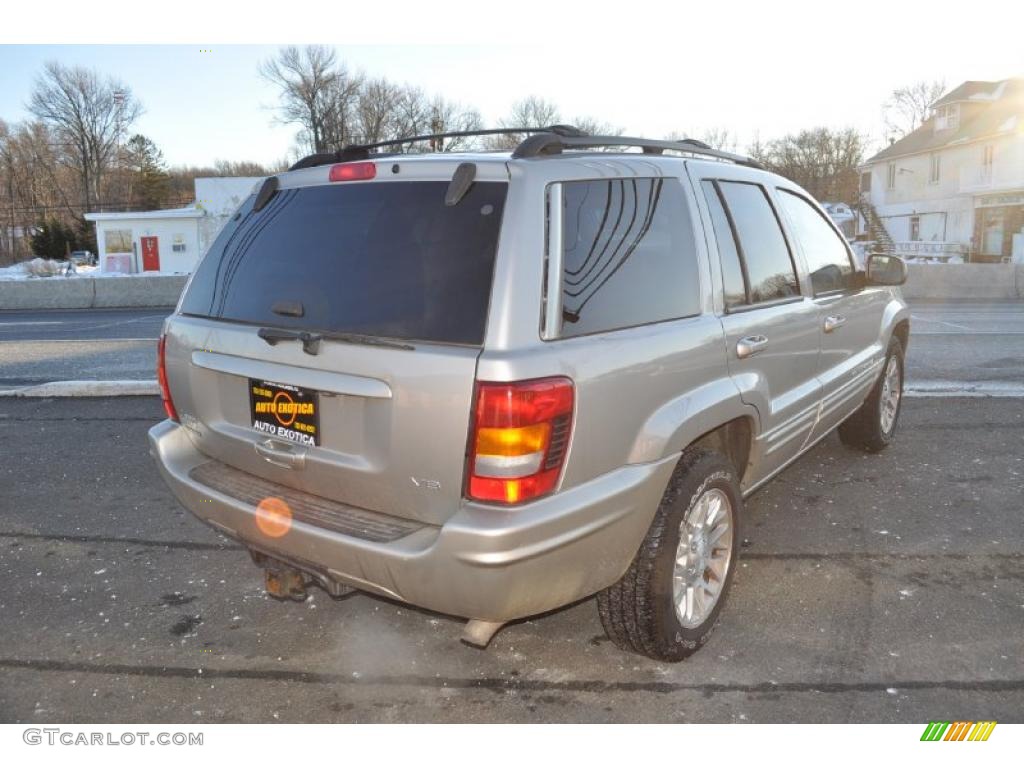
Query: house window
pixel 947 117
pixel 935 168
pixel 987 155
pixel 117 241
pixel 891 176
pixel 915 228
pixel 865 182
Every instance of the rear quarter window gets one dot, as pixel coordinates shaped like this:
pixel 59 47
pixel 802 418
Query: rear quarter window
pixel 629 256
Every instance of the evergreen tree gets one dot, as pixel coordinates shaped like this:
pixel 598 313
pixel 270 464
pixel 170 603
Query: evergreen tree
pixel 53 239
pixel 153 183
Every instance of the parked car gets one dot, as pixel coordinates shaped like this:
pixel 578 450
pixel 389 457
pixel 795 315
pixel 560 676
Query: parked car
pixel 83 257
pixel 492 384
pixel 844 218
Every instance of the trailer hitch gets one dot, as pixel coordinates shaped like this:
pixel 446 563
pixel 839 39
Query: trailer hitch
pixel 284 582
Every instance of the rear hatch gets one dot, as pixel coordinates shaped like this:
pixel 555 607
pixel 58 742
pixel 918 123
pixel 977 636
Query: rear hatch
pixel 328 341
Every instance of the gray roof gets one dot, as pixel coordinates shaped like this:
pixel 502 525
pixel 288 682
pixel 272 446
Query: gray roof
pixel 966 91
pixel 994 117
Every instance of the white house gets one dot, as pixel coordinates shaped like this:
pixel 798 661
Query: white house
pixel 170 240
pixel 956 184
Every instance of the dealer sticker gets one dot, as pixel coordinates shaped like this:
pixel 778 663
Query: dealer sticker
pixel 285 412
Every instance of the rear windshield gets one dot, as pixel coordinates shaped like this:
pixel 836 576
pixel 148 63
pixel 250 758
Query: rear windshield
pixel 385 259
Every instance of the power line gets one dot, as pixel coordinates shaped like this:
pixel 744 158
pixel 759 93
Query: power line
pixel 129 207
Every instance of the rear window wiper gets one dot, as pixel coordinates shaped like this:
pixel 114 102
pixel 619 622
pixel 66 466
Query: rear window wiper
pixel 311 340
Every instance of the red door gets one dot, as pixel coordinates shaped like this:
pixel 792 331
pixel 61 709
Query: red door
pixel 150 255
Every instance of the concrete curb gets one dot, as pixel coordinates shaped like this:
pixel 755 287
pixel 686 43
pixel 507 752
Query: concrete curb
pixel 136 387
pixel 86 389
pixel 944 388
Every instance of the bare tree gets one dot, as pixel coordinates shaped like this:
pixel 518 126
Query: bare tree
pixel 342 124
pixel 536 112
pixel 88 115
pixel 317 93
pixel 594 127
pixel 717 138
pixel 908 107
pixel 531 112
pixel 8 242
pixel 411 116
pixel 449 117
pixel 821 160
pixel 720 138
pixel 757 149
pixel 377 110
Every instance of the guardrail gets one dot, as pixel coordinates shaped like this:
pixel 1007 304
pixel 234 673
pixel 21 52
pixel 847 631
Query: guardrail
pixel 980 282
pixel 92 292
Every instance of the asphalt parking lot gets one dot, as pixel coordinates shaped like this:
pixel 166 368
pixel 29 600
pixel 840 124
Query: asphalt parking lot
pixel 882 588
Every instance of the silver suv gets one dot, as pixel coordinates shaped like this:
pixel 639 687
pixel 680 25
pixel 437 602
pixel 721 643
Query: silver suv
pixel 492 384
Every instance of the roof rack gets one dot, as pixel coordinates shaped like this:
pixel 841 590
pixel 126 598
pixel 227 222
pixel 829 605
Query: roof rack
pixel 362 151
pixel 541 144
pixel 549 140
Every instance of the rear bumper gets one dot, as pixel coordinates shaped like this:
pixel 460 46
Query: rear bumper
pixel 483 563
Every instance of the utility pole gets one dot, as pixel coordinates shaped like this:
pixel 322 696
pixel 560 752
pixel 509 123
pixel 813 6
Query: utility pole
pixel 12 242
pixel 119 100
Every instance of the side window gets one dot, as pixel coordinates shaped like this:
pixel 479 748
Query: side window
pixel 762 246
pixel 828 259
pixel 629 255
pixel 732 270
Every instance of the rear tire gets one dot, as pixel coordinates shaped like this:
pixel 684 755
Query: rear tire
pixel 872 426
pixel 661 607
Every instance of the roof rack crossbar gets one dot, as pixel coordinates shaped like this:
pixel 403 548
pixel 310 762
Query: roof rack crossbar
pixel 541 144
pixel 363 151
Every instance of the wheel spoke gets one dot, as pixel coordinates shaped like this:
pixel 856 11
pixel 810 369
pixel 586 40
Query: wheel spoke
pixel 702 557
pixel 718 533
pixel 717 568
pixel 711 589
pixel 700 512
pixel 714 510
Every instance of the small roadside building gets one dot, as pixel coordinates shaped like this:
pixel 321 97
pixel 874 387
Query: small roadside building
pixel 170 241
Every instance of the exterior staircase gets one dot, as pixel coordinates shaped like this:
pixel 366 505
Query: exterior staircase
pixel 876 227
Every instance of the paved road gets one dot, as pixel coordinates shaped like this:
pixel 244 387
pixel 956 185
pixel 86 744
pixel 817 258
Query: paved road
pixel 966 344
pixel 873 588
pixel 42 346
pixel 953 345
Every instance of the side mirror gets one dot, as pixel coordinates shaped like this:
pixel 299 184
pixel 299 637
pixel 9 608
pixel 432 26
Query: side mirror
pixel 885 269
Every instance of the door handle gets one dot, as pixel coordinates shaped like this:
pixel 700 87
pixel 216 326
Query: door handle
pixel 281 455
pixel 750 345
pixel 834 321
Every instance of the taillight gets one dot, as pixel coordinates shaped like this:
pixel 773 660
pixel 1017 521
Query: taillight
pixel 519 440
pixel 353 172
pixel 161 377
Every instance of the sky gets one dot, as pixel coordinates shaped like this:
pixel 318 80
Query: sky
pixel 205 102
